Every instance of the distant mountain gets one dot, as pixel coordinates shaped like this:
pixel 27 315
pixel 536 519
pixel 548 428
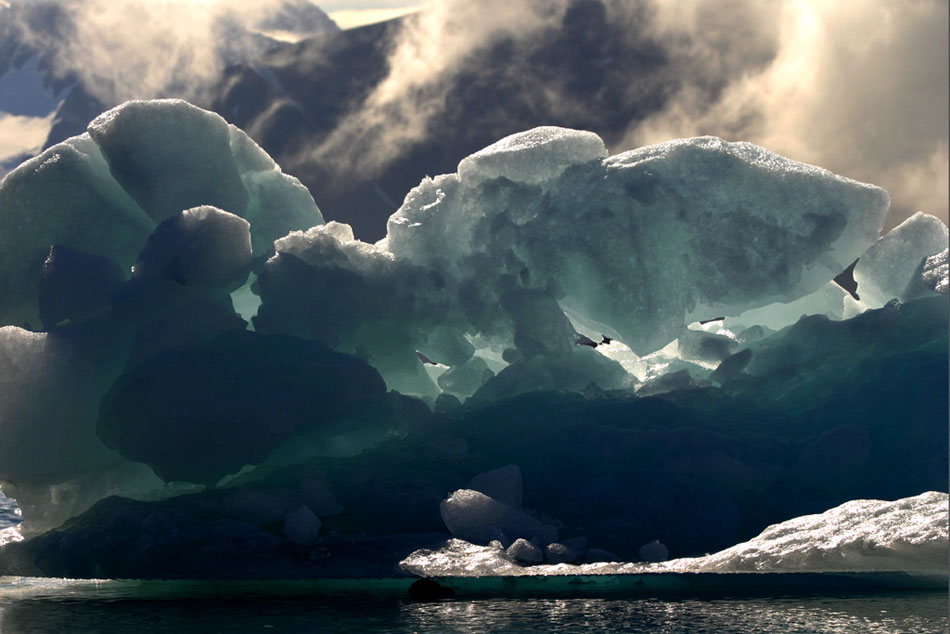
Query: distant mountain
pixel 585 73
pixel 44 100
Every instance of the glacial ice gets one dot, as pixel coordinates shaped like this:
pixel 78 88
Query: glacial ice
pixel 144 158
pixel 829 300
pixel 908 534
pixel 540 225
pixel 699 469
pixel 887 270
pixel 104 192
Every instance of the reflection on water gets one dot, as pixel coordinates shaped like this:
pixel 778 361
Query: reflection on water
pixel 884 615
pixel 125 607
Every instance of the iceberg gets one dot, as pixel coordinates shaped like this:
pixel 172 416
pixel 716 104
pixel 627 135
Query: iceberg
pixel 548 307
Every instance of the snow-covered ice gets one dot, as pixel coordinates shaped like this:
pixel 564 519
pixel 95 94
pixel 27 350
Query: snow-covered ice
pixel 909 534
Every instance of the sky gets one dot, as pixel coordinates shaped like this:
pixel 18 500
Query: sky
pixel 858 87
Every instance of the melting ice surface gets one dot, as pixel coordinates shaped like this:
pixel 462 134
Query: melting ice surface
pixel 623 331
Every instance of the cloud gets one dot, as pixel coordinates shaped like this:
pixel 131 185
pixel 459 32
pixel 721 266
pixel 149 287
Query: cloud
pixel 431 47
pixel 128 49
pixel 859 88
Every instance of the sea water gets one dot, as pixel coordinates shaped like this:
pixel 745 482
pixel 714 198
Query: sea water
pixel 32 605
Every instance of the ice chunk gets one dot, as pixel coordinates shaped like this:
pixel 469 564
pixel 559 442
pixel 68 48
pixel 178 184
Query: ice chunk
pixel 65 196
pixel 475 517
pixel 203 248
pixel 717 228
pixel 502 484
pixel 460 558
pixel 524 552
pixel 887 270
pixel 934 273
pixel 170 156
pixel 536 156
pixel 104 192
pixel 536 228
pixel 567 552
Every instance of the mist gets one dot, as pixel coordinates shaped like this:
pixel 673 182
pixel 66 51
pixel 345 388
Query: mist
pixel 141 49
pixel 859 88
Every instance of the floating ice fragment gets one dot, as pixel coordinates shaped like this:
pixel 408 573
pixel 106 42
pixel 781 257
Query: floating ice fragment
pixel 524 552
